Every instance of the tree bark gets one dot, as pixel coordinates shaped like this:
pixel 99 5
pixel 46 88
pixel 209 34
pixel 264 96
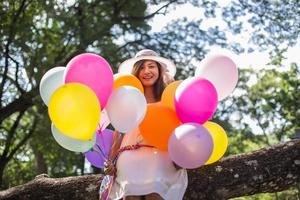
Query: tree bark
pixel 271 169
pixel 267 170
pixel 41 166
pixel 3 163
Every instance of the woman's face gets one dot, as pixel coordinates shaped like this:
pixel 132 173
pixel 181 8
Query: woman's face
pixel 148 73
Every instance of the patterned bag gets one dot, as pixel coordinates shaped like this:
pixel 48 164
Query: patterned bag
pixel 105 187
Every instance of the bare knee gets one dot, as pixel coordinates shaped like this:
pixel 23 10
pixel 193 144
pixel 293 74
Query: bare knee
pixel 132 198
pixel 153 196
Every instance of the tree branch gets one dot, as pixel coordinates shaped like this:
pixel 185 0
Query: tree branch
pixel 9 40
pixel 17 75
pixel 10 135
pixel 42 187
pixel 267 170
pixel 129 43
pixel 24 102
pixel 150 15
pixel 24 140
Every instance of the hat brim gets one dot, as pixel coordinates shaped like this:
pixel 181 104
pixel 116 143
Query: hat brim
pixel 126 66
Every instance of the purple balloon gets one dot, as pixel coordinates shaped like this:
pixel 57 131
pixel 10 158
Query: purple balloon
pixel 101 149
pixel 196 100
pixel 190 145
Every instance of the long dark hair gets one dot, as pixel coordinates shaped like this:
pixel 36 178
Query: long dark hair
pixel 159 85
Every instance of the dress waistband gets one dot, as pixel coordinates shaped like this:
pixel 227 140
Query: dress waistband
pixel 130 148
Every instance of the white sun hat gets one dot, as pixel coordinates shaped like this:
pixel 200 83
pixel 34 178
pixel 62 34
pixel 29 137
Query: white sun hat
pixel 147 54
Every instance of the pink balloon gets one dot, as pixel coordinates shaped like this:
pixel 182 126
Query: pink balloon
pixel 196 100
pixel 190 145
pixel 94 71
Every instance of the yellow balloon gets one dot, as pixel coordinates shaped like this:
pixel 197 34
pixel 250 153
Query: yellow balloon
pixel 127 79
pixel 220 140
pixel 167 97
pixel 75 110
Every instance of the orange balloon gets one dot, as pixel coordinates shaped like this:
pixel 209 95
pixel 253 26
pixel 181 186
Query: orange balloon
pixel 127 79
pixel 168 95
pixel 158 125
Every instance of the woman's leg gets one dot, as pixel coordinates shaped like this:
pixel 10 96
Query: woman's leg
pixel 153 196
pixel 132 198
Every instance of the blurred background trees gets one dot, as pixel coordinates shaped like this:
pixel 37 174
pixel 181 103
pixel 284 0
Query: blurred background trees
pixel 39 35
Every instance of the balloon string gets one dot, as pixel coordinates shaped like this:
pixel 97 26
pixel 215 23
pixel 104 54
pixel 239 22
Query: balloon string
pixel 99 131
pixel 101 151
pixel 101 126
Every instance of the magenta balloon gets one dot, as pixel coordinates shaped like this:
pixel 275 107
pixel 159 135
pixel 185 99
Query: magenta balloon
pixel 101 149
pixel 196 100
pixel 94 71
pixel 190 145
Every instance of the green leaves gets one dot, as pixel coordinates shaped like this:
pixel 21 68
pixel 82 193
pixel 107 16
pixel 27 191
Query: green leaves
pixel 271 104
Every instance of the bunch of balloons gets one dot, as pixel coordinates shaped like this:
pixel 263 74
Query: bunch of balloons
pixel 125 109
pixel 84 97
pixel 179 123
pixel 75 96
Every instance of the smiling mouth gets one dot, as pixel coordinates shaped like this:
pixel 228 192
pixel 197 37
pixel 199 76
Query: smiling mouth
pixel 147 78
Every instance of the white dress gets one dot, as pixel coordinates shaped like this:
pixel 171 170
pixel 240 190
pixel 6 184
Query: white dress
pixel 147 170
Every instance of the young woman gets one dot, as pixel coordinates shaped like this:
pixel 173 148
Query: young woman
pixel 144 172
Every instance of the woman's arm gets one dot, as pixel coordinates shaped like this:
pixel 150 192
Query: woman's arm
pixel 109 167
pixel 116 143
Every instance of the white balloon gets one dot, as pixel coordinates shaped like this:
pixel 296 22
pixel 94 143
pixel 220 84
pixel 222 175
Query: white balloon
pixel 52 79
pixel 71 143
pixel 221 71
pixel 126 108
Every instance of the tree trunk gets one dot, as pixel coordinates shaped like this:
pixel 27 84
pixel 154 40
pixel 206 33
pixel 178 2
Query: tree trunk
pixel 41 166
pixel 2 167
pixel 268 170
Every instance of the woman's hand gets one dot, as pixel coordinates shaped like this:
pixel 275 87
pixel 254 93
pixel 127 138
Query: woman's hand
pixel 109 168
